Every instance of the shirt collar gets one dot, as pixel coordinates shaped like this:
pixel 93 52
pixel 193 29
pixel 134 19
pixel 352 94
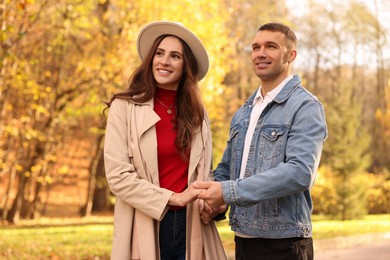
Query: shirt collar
pixel 273 93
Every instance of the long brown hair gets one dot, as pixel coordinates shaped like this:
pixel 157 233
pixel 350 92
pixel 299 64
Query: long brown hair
pixel 189 107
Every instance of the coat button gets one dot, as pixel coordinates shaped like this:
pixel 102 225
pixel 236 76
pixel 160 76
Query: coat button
pixel 273 133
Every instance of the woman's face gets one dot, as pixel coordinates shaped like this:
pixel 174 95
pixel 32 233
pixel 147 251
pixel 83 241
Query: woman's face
pixel 168 63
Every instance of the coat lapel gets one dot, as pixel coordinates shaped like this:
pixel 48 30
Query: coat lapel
pixel 146 120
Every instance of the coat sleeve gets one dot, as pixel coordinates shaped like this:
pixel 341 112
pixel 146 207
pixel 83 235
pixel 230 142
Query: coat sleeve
pixel 122 177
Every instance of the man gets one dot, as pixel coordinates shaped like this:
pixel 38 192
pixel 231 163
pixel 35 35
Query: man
pixel 271 158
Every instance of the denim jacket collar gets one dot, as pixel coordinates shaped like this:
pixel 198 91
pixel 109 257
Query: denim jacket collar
pixel 284 94
pixel 288 89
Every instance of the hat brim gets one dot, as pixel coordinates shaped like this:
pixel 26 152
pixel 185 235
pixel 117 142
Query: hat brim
pixel 149 33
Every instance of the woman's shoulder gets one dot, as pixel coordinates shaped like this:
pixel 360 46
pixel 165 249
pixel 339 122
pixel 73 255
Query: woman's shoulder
pixel 119 102
pixel 126 102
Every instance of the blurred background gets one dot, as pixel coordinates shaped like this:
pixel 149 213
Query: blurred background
pixel 60 59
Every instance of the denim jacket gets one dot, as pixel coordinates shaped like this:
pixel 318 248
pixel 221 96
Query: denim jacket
pixel 273 200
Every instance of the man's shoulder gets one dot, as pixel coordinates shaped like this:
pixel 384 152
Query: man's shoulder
pixel 308 93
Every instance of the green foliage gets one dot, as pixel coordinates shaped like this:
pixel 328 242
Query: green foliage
pixel 345 153
pixel 379 194
pixel 346 148
pixel 382 117
pixel 374 200
pixel 324 193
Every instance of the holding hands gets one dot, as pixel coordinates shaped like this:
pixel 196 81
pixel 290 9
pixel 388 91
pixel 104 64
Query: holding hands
pixel 210 200
pixel 185 197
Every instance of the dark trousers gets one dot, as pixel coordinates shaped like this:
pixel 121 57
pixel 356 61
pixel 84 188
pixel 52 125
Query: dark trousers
pixel 173 235
pixel 274 249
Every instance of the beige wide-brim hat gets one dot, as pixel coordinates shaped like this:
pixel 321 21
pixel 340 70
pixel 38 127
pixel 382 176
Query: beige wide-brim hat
pixel 152 31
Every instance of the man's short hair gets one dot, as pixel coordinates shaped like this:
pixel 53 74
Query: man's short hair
pixel 291 38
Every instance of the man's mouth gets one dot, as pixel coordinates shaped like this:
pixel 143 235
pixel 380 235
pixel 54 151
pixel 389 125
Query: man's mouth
pixel 262 64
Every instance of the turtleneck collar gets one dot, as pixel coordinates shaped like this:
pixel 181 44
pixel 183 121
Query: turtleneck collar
pixel 165 94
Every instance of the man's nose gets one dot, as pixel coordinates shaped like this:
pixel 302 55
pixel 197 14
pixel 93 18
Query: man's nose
pixel 262 52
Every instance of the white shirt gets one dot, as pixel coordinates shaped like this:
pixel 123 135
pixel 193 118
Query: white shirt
pixel 259 103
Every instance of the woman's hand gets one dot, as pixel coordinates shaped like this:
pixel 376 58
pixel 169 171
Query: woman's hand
pixel 207 213
pixel 185 197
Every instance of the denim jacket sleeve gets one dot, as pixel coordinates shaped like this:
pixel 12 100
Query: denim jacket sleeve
pixel 294 169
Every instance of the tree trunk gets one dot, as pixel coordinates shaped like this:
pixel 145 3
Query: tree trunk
pixel 87 210
pixel 32 209
pixel 7 194
pixel 102 192
pixel 14 214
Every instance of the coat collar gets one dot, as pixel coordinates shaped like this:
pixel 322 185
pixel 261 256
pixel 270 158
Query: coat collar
pixel 142 121
pixel 146 120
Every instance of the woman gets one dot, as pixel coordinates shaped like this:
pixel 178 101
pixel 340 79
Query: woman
pixel 158 141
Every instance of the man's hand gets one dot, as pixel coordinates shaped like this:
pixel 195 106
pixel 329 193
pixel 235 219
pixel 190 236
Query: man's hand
pixel 207 213
pixel 211 194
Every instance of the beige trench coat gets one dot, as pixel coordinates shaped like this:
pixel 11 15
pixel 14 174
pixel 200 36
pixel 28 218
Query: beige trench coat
pixel 130 154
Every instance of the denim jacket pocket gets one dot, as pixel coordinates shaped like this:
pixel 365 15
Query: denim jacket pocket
pixel 271 141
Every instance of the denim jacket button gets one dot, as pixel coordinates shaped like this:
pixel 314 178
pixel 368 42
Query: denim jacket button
pixel 273 133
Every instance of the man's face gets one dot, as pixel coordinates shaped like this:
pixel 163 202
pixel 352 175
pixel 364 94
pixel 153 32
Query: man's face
pixel 270 55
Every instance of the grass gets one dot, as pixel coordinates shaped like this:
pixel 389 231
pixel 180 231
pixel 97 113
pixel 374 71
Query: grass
pixel 90 238
pixel 323 228
pixel 89 241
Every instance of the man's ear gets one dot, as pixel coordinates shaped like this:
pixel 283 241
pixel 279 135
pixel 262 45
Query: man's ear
pixel 292 55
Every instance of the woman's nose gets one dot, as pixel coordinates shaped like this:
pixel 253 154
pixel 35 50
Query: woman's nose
pixel 165 60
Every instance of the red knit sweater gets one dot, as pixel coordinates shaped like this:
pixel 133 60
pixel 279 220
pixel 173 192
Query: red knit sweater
pixel 172 169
